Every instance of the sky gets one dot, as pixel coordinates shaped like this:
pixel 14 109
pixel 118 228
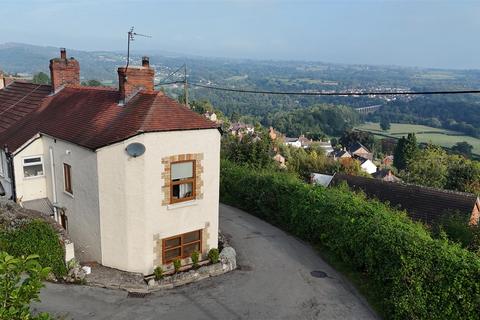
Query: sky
pixel 428 33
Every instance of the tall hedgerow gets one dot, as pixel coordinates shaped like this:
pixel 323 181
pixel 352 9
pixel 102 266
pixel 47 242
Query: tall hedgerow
pixel 418 277
pixel 36 237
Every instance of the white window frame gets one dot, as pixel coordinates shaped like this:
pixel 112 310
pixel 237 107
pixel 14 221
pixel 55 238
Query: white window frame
pixel 33 164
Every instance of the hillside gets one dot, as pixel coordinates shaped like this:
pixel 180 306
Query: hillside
pixel 457 112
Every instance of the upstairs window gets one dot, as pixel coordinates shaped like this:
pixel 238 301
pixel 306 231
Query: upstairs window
pixel 67 178
pixel 182 184
pixel 33 167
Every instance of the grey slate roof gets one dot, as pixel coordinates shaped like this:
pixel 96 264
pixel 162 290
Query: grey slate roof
pixel 421 203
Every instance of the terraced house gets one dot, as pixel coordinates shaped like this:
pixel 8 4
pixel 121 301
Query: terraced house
pixel 130 173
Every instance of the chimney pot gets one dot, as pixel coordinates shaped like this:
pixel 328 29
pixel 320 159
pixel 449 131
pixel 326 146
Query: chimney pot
pixel 63 53
pixel 145 62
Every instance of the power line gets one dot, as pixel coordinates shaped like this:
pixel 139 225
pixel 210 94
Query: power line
pixel 379 93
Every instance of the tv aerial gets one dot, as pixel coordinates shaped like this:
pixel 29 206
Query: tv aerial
pixel 131 37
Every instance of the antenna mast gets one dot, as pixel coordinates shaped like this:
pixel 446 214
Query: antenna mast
pixel 131 37
pixel 185 84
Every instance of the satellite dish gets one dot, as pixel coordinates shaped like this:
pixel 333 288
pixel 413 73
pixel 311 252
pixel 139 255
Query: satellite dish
pixel 135 149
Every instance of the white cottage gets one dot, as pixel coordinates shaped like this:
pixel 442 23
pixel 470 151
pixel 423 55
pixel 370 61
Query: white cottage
pixel 131 174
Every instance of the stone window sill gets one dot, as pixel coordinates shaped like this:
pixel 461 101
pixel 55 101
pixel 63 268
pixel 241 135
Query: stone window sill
pixel 182 204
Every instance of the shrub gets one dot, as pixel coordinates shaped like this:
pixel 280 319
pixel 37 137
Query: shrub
pixel 195 258
pixel 213 255
pixel 416 276
pixel 20 284
pixel 36 237
pixel 158 272
pixel 177 263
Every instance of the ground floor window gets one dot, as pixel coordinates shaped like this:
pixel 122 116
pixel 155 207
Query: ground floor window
pixel 181 246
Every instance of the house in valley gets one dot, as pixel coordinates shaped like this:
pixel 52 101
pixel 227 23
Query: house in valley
pixel 367 165
pixel 425 204
pixel 359 150
pixel 386 175
pixel 131 174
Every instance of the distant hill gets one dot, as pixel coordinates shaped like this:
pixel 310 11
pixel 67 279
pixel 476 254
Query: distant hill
pixel 459 112
pixel 25 58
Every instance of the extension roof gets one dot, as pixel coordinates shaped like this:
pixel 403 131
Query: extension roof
pixel 19 99
pixel 91 117
pixel 421 203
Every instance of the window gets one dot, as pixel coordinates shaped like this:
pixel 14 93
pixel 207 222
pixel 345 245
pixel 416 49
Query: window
pixel 32 167
pixel 183 181
pixel 67 177
pixel 181 246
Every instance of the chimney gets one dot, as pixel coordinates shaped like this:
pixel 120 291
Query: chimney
pixel 64 71
pixel 133 79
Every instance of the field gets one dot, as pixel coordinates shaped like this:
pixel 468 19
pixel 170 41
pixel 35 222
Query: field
pixel 442 137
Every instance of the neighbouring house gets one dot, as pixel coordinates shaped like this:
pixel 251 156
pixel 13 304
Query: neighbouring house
pixel 305 142
pixel 340 154
pixel 210 116
pixel 367 165
pixel 300 142
pixel 359 150
pixel 386 175
pixel 321 179
pixel 387 161
pixel 326 146
pixel 421 203
pixel 280 160
pixel 293 142
pixel 239 128
pixel 273 133
pixel 132 175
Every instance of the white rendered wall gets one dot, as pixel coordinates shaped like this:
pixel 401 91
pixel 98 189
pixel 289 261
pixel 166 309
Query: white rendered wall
pixel 131 197
pixel 82 207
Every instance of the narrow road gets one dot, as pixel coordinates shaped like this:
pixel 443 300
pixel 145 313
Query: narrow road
pixel 274 282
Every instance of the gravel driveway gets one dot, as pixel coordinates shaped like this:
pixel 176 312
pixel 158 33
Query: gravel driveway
pixel 274 281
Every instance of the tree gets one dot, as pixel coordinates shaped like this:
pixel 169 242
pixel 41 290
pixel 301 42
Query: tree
pixel 463 148
pixel 463 175
pixel 405 150
pixel 20 284
pixel 92 83
pixel 351 136
pixel 385 124
pixel 428 168
pixel 41 78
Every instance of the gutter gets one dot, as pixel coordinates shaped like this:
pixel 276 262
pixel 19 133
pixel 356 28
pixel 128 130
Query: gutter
pixel 54 187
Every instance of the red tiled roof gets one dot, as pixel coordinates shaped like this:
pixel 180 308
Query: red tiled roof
pixel 18 99
pixel 91 117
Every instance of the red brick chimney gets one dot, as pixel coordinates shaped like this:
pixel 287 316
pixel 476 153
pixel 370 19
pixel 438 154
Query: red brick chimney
pixel 135 78
pixel 64 71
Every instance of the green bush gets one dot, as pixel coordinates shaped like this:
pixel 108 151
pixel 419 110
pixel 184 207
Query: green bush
pixel 20 284
pixel 158 272
pixel 416 276
pixel 213 255
pixel 456 227
pixel 195 258
pixel 177 263
pixel 36 237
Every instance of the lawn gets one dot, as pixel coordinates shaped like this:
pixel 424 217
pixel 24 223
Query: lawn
pixel 442 137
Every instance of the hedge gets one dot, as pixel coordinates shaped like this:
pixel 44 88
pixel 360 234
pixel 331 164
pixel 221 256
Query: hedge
pixel 36 237
pixel 416 276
